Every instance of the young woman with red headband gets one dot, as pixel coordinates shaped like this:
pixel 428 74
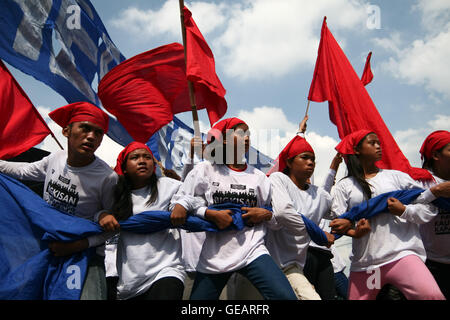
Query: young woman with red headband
pixel 294 196
pixel 393 251
pixel 149 266
pixel 227 177
pixel 435 153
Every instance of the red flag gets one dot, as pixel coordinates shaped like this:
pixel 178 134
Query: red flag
pixel 350 106
pixel 367 75
pixel 201 70
pixel 145 91
pixel 21 125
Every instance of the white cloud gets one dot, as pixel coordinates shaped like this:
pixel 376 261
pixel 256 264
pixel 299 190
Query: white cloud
pixel 423 61
pixel 271 131
pixel 256 38
pixel 166 20
pixel 270 38
pixel 435 13
pixel 411 140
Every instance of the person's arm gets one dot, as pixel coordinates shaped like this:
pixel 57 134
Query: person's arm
pixel 191 194
pixel 302 126
pixel 441 190
pixel 283 208
pixel 104 217
pixel 331 176
pixel 421 210
pixel 34 171
pixel 416 213
pixel 63 249
pixel 339 206
pixel 362 228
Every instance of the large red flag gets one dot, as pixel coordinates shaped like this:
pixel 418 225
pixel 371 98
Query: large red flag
pixel 201 70
pixel 21 125
pixel 350 106
pixel 367 75
pixel 145 91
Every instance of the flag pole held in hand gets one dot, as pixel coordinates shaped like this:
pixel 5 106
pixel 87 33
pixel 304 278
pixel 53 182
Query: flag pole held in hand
pixel 190 85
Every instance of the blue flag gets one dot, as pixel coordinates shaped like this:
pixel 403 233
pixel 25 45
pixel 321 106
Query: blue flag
pixel 29 271
pixel 378 204
pixel 62 43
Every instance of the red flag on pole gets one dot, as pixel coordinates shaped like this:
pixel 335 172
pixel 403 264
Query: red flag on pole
pixel 201 70
pixel 350 106
pixel 21 125
pixel 367 75
pixel 145 91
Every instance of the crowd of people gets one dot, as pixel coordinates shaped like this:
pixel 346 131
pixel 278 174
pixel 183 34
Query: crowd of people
pixel 406 245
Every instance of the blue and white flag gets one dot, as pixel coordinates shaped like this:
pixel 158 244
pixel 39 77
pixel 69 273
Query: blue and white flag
pixel 171 145
pixel 29 271
pixel 62 43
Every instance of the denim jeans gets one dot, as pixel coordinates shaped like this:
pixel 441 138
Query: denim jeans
pixel 341 282
pixel 94 287
pixel 262 272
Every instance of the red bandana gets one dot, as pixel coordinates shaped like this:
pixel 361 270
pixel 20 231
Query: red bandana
pixel 130 148
pixel 435 141
pixel 347 144
pixel 80 111
pixel 295 147
pixel 220 128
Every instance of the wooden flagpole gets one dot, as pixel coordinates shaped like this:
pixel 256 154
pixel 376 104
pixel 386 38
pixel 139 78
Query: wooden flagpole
pixel 307 108
pixel 59 144
pixel 190 85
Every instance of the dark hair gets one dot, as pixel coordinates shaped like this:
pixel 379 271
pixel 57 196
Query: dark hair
pixel 356 171
pixel 429 163
pixel 287 170
pixel 123 205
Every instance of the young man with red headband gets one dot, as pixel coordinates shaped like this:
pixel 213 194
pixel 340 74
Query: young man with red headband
pixel 435 152
pixel 76 182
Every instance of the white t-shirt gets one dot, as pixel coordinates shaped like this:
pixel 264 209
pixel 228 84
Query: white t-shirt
pixel 288 245
pixel 84 192
pixel 436 233
pixel 143 259
pixel 226 251
pixel 391 237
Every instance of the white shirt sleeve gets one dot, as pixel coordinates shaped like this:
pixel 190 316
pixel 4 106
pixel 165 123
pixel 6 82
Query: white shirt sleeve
pixel 107 194
pixel 191 193
pixel 340 201
pixel 419 211
pixel 283 208
pixel 329 180
pixel 34 171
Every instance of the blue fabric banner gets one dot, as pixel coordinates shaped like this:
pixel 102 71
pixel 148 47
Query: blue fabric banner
pixel 28 268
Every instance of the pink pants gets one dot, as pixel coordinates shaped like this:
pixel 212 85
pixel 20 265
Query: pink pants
pixel 409 274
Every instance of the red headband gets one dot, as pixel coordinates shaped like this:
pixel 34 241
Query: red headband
pixel 220 128
pixel 130 148
pixel 435 141
pixel 295 147
pixel 80 111
pixel 347 144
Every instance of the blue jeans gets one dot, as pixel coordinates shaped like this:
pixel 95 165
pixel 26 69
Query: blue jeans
pixel 341 282
pixel 262 272
pixel 94 287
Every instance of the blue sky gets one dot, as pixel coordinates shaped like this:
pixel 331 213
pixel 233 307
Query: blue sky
pixel 265 53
